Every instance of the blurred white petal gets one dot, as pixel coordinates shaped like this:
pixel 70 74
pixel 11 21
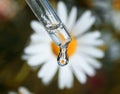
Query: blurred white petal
pixel 83 23
pixel 92 61
pixel 39 38
pixel 37 49
pixel 38 59
pixel 38 28
pixel 62 12
pixel 65 77
pixel 23 90
pixel 91 38
pixel 80 75
pixel 48 71
pixel 83 65
pixel 91 42
pixel 91 35
pixel 72 18
pixel 115 18
pixel 91 51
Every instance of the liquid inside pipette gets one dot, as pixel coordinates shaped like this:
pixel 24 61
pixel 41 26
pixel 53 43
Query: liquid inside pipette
pixel 62 39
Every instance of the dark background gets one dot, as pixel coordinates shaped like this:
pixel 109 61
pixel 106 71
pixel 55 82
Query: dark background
pixel 15 31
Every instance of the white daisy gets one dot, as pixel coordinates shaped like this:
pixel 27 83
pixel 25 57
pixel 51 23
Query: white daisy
pixel 115 18
pixel 108 11
pixel 102 10
pixel 21 90
pixel 113 46
pixel 82 50
pixel 115 14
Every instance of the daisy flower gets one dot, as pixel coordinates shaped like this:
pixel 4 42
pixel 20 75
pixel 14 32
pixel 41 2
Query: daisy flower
pixel 113 46
pixel 102 11
pixel 21 90
pixel 115 14
pixel 83 49
pixel 108 11
pixel 115 17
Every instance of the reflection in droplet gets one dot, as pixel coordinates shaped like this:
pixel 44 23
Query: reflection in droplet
pixel 63 57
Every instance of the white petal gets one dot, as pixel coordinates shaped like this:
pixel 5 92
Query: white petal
pixel 115 18
pixel 91 51
pixel 91 42
pixel 39 29
pixel 65 78
pixel 91 38
pixel 38 38
pixel 80 75
pixel 37 49
pixel 72 18
pixel 84 65
pixel 23 90
pixel 37 54
pixel 38 59
pixel 48 71
pixel 90 35
pixel 62 12
pixel 95 63
pixel 84 23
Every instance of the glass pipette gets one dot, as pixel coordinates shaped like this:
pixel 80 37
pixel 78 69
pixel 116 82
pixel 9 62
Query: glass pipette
pixel 53 25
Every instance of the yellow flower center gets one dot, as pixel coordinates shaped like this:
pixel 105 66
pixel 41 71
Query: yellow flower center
pixel 71 47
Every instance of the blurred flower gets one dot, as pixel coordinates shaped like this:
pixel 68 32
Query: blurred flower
pixel 115 18
pixel 114 50
pixel 82 50
pixel 8 9
pixel 102 10
pixel 107 11
pixel 113 46
pixel 21 90
pixel 115 14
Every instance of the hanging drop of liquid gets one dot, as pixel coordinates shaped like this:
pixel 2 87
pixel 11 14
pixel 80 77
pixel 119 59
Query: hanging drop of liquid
pixel 63 57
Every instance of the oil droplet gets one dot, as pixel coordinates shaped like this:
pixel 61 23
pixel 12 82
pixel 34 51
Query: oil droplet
pixel 63 57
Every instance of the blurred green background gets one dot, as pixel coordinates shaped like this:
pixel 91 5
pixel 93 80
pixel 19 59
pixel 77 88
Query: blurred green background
pixel 15 30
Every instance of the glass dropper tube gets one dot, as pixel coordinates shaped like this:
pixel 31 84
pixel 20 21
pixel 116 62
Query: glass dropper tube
pixel 53 25
pixel 51 22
